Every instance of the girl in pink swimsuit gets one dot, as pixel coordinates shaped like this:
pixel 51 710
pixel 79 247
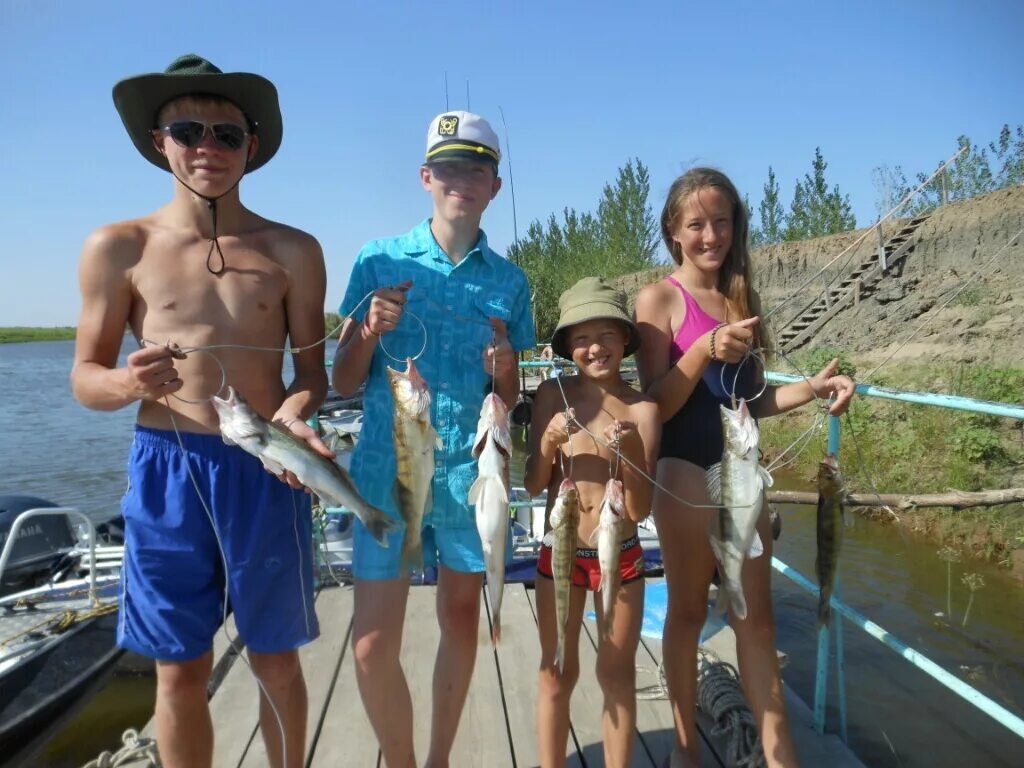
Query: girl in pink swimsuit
pixel 705 316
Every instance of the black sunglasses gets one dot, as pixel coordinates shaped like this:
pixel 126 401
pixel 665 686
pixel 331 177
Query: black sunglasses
pixel 190 133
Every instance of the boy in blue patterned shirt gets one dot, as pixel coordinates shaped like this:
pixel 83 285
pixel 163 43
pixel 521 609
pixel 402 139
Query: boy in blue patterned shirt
pixel 439 288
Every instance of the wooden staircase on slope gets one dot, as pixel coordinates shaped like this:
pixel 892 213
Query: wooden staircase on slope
pixel 856 284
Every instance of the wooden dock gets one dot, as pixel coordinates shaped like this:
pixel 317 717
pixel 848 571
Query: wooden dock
pixel 497 727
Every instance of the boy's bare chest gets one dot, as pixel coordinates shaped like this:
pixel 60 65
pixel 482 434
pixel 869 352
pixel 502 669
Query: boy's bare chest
pixel 173 279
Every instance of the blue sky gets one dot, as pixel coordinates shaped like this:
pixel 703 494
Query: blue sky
pixel 584 87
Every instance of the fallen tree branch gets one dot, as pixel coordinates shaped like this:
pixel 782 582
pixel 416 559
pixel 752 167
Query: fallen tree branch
pixel 952 498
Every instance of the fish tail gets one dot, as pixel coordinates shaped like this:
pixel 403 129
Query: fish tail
pixel 735 602
pixel 495 591
pixel 824 607
pixel 412 553
pixel 380 525
pixel 496 627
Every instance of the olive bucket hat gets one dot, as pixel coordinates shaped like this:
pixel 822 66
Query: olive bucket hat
pixel 592 299
pixel 139 99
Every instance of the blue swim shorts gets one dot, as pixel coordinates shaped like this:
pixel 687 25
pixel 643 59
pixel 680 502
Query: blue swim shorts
pixel 455 548
pixel 172 581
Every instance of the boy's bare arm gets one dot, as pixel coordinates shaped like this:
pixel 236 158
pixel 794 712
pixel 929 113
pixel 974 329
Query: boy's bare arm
pixel 640 445
pixel 548 431
pixel 104 277
pixel 304 301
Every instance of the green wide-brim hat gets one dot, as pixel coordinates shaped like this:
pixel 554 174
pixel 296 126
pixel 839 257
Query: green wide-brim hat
pixel 139 99
pixel 592 299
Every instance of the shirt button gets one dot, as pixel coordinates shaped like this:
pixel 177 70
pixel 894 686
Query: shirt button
pixel 446 346
pixel 449 307
pixel 442 422
pixel 444 385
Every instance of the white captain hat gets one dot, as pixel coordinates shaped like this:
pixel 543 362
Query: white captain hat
pixel 461 136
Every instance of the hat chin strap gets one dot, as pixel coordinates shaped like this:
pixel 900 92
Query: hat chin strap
pixel 211 202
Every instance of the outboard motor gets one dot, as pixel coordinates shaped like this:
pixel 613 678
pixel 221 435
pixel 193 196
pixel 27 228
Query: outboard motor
pixel 42 542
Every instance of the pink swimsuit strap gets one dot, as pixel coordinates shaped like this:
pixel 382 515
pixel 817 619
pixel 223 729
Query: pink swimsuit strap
pixel 695 324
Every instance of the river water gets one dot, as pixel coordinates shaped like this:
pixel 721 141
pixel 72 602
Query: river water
pixel 54 448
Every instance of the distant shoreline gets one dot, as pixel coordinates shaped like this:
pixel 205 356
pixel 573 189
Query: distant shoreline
pixel 18 334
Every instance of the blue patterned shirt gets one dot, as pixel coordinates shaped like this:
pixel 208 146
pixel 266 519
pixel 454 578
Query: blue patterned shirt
pixel 454 302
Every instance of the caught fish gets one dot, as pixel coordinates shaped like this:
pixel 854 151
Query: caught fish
pixel 736 485
pixel 830 533
pixel 489 493
pixel 280 450
pixel 415 440
pixel 609 546
pixel 565 523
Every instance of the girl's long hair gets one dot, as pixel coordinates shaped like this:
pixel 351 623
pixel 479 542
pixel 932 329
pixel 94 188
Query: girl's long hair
pixel 734 281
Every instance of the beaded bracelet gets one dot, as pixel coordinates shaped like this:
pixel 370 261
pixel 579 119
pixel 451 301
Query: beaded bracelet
pixel 714 332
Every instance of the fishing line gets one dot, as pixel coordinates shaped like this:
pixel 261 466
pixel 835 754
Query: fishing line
pixel 622 457
pixel 179 352
pixel 224 563
pixel 423 347
pixel 752 353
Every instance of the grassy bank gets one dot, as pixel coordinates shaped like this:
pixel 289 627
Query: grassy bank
pixel 13 334
pixel 895 447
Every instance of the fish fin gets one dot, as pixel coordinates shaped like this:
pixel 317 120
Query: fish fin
pixel 738 604
pixel 556 516
pixel 766 476
pixel 756 548
pixel 272 465
pixel 592 539
pixel 503 438
pixel 549 539
pixel 713 478
pixel 476 489
pixel 717 547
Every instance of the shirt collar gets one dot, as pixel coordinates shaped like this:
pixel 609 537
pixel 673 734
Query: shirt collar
pixel 420 242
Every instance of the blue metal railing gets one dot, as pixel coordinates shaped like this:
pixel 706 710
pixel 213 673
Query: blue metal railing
pixel 967 692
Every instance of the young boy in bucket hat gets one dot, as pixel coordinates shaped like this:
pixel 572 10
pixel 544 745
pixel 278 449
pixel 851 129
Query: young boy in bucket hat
pixel 596 333
pixel 204 271
pixel 441 295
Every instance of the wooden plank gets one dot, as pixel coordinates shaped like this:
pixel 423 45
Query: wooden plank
pixel 518 659
pixel 482 738
pixel 345 736
pixel 811 748
pixel 576 743
pixel 708 754
pixel 320 661
pixel 234 710
pixel 221 644
pixel 419 650
pixel 588 712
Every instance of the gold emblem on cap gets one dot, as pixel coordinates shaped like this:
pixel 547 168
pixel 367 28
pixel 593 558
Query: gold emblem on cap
pixel 448 125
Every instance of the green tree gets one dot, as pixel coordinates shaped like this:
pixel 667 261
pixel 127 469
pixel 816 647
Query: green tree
pixel 628 228
pixel 773 219
pixel 966 177
pixel 621 238
pixel 1008 154
pixel 891 186
pixel 816 210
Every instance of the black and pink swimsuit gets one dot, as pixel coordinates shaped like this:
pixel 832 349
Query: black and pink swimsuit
pixel 694 432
